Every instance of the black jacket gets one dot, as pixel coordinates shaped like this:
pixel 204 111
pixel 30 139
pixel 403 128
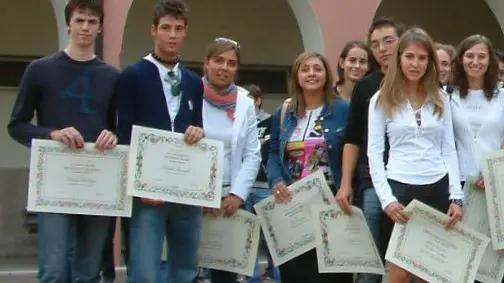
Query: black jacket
pixel 264 128
pixel 357 130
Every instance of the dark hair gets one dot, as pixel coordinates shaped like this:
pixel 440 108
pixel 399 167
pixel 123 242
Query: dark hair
pixel 175 8
pixel 500 54
pixel 386 22
pixel 491 77
pixel 254 91
pixel 95 6
pixel 344 54
pixel 448 48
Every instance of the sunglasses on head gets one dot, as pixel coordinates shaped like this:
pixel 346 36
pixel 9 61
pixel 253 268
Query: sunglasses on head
pixel 223 39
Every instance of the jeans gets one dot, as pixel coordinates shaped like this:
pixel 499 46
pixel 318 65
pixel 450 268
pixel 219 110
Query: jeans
pixel 108 264
pixel 148 225
pixel 371 207
pixel 256 195
pixel 58 234
pixel 163 277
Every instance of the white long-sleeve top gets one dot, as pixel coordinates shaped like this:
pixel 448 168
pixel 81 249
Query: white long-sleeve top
pixel 219 127
pixel 478 127
pixel 418 155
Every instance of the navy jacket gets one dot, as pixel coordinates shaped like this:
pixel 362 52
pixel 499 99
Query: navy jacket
pixel 141 100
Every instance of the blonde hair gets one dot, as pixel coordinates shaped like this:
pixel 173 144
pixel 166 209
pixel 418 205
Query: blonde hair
pixel 393 90
pixel 297 100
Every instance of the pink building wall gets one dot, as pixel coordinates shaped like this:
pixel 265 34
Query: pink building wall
pixel 342 21
pixel 113 29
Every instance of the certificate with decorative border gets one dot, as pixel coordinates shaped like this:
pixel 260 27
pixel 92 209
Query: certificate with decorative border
pixel 424 247
pixel 84 181
pixel 491 269
pixel 343 242
pixel 493 174
pixel 230 243
pixel 288 227
pixel 163 167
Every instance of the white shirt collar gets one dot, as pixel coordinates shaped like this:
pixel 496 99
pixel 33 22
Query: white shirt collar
pixel 162 68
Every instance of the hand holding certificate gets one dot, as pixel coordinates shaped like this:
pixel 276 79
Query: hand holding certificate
pixel 425 248
pixel 78 181
pixel 288 227
pixel 493 173
pixel 344 242
pixel 230 243
pixel 163 167
pixel 491 269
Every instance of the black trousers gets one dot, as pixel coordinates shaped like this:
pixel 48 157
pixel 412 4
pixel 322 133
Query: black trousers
pixel 435 195
pixel 304 269
pixel 219 276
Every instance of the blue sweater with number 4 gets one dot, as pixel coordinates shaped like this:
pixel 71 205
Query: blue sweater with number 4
pixel 63 92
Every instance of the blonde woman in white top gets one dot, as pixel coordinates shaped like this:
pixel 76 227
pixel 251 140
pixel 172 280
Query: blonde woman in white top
pixel 477 106
pixel 415 116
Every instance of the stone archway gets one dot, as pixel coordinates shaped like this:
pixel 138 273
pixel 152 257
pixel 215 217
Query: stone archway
pixel 59 14
pixel 117 12
pixel 445 25
pixel 257 25
pixel 497 7
pixel 311 31
pixel 342 20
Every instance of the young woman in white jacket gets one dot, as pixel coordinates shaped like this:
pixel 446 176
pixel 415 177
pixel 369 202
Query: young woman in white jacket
pixel 229 116
pixel 477 106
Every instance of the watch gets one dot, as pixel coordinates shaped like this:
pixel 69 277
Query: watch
pixel 458 202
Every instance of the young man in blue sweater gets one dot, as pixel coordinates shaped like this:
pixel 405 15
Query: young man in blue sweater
pixel 159 92
pixel 71 93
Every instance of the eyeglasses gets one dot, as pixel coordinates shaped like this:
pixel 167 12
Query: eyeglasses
pixel 223 39
pixel 386 42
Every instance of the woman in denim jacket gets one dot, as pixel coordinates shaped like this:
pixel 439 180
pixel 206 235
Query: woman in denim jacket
pixel 307 135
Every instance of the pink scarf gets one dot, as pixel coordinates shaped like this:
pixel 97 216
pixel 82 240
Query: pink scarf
pixel 225 99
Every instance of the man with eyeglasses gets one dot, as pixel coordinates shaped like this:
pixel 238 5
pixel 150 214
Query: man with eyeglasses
pixel 159 92
pixel 383 35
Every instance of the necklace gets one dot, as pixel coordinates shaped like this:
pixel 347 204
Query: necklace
pixel 167 62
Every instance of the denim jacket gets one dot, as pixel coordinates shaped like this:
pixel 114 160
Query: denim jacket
pixel 334 122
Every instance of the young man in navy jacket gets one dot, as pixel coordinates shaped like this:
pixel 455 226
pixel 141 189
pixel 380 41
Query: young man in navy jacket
pixel 159 92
